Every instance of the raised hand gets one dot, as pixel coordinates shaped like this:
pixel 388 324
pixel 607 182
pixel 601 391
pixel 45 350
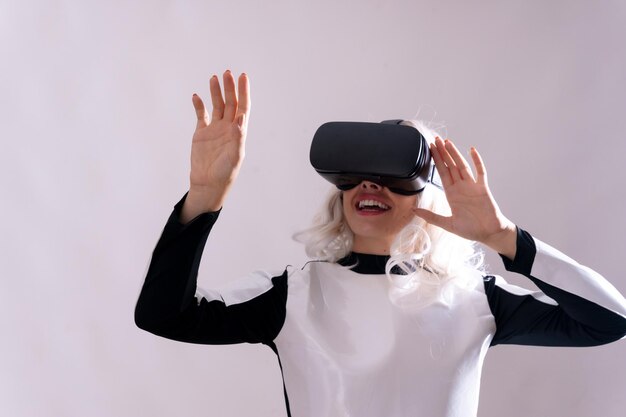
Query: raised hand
pixel 475 214
pixel 218 145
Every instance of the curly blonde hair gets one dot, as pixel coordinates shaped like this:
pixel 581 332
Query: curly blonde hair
pixel 430 258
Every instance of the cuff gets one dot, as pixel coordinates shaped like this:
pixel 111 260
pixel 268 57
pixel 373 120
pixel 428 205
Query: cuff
pixel 524 254
pixel 178 207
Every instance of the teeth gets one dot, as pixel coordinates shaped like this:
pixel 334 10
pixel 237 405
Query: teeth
pixel 372 203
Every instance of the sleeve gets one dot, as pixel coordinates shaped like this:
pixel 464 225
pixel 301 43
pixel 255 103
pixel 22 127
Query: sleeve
pixel 575 306
pixel 170 305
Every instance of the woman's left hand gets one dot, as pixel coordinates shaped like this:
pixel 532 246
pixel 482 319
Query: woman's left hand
pixel 475 214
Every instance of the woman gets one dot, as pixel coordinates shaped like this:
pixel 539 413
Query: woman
pixel 349 341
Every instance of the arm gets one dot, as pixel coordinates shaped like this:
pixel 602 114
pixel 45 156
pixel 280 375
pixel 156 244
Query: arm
pixel 575 307
pixel 252 312
pixel 167 306
pixel 217 146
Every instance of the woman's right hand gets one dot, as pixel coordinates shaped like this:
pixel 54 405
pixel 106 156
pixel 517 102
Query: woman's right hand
pixel 218 145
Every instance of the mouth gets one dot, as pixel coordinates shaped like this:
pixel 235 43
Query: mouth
pixel 371 207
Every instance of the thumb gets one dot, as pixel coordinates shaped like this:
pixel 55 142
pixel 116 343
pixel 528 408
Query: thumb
pixel 433 218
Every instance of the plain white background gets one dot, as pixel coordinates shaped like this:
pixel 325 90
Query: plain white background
pixel 96 132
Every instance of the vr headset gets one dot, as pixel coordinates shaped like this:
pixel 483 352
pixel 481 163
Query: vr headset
pixel 386 153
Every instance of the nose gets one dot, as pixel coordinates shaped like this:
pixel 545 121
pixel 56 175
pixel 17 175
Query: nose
pixel 368 185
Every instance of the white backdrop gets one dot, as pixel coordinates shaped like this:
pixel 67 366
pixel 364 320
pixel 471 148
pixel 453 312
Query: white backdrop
pixel 96 132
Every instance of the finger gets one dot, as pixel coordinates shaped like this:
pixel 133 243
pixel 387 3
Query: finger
pixel 442 169
pixel 201 113
pixel 455 170
pixel 231 97
pixel 481 171
pixel 433 218
pixel 445 155
pixel 216 98
pixel 459 161
pixel 243 90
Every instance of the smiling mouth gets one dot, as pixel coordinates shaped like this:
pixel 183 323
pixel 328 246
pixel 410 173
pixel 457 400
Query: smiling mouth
pixel 371 206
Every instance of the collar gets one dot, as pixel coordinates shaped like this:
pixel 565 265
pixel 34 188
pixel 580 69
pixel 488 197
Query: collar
pixel 365 263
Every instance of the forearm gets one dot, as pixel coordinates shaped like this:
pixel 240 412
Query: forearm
pixel 574 305
pixel 170 283
pixel 584 294
pixel 169 306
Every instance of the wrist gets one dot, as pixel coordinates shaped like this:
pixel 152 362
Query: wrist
pixel 206 198
pixel 201 200
pixel 505 241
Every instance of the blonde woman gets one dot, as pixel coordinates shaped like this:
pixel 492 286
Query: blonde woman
pixel 396 316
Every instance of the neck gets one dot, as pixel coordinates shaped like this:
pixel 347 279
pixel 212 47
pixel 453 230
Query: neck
pixel 371 246
pixel 365 263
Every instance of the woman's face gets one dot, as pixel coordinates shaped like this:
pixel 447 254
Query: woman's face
pixel 375 216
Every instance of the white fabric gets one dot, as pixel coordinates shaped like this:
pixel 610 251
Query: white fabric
pixel 346 350
pixel 559 270
pixel 514 289
pixel 241 290
pixel 349 347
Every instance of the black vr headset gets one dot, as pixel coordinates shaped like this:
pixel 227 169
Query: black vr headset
pixel 386 153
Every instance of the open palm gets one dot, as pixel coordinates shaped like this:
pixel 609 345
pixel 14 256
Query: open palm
pixel 217 147
pixel 218 144
pixel 475 213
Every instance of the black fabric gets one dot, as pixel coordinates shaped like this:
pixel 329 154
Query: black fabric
pixel 363 263
pixel 272 346
pixel 524 320
pixel 167 305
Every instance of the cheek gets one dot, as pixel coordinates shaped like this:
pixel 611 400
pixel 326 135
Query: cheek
pixel 346 197
pixel 405 211
pixel 348 213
